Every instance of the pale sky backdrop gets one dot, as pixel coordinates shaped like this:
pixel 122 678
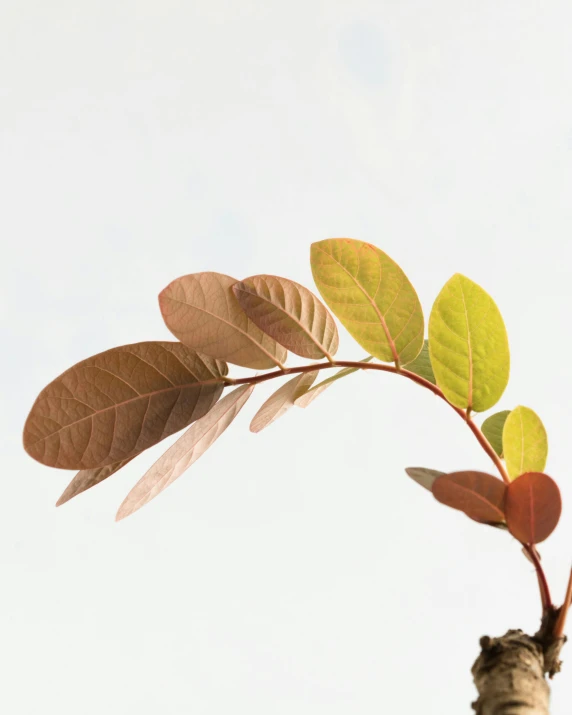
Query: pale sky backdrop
pixel 298 570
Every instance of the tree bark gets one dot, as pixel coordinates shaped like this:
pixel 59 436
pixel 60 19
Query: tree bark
pixel 510 673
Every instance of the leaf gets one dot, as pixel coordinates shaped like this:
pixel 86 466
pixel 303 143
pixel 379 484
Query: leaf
pixel 492 428
pixel 88 478
pixel 468 345
pixel 425 477
pixel 282 400
pixel 290 314
pixel 422 364
pixel 371 296
pixel 479 495
pixel 201 310
pixel 116 404
pixel 533 506
pixel 185 451
pixel 311 394
pixel 525 443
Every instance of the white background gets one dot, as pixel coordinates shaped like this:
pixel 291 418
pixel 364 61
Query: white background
pixel 298 570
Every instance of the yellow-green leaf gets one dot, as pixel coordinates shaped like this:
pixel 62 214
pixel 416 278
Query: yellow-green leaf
pixel 371 296
pixel 468 345
pixel 310 395
pixel 525 443
pixel 422 364
pixel 492 428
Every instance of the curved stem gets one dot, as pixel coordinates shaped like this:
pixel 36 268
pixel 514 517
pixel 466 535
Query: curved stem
pixel 464 414
pixel 383 368
pixel 486 445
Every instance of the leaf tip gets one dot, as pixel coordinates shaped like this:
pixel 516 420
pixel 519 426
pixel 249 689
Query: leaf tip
pixel 121 513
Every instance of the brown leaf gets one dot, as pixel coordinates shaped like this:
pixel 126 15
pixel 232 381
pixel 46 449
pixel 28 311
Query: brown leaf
pixel 479 495
pixel 116 404
pixel 289 313
pixel 201 310
pixel 282 400
pixel 423 476
pixel 88 478
pixel 533 507
pixel 186 450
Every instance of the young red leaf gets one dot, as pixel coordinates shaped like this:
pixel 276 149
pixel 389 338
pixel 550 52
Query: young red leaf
pixel 533 506
pixel 479 495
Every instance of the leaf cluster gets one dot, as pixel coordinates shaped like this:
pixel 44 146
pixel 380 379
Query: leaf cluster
pixel 101 413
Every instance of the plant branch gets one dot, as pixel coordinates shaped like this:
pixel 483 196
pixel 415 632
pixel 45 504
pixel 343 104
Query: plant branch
pixel 561 622
pixel 383 368
pixel 464 414
pixel 534 557
pixel 486 445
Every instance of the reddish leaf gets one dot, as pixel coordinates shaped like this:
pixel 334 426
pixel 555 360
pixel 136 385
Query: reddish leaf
pixel 480 496
pixel 533 506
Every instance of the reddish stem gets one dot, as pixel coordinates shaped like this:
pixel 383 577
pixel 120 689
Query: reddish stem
pixel 542 582
pixel 486 445
pixel 383 368
pixel 561 622
pixel 464 414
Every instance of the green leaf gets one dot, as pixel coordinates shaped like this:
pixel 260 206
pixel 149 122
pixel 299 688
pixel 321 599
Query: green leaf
pixel 289 313
pixel 492 428
pixel 185 451
pixel 371 296
pixel 468 345
pixel 422 364
pixel 282 400
pixel 525 443
pixel 311 394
